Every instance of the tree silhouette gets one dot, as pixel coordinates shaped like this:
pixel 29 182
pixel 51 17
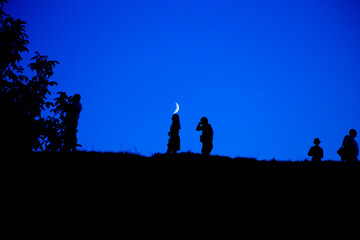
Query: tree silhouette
pixel 22 127
pixel 52 130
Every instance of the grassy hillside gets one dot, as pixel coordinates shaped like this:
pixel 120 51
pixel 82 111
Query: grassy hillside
pixel 82 181
pixel 182 168
pixel 187 158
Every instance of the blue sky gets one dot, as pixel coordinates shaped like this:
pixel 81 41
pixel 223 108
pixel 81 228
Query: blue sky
pixel 269 75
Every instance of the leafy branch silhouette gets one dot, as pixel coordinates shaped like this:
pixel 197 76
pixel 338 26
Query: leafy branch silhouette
pixel 23 128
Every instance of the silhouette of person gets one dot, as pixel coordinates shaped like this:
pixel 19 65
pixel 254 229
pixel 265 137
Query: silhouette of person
pixel 70 122
pixel 174 140
pixel 316 152
pixel 351 147
pixel 207 136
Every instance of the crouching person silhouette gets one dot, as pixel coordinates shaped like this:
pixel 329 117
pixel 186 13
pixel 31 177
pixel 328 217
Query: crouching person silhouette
pixel 70 122
pixel 316 152
pixel 207 136
pixel 174 140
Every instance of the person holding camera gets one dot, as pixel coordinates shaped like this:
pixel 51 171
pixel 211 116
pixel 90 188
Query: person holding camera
pixel 207 136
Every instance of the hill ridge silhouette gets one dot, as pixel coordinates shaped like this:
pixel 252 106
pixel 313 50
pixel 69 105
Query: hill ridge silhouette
pixel 182 156
pixel 185 173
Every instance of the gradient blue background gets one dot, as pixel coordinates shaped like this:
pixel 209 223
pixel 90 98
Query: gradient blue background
pixel 270 75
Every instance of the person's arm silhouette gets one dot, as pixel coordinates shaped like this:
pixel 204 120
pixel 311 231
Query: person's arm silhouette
pixel 199 127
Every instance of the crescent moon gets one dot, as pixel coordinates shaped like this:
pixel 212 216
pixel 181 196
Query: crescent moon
pixel 177 108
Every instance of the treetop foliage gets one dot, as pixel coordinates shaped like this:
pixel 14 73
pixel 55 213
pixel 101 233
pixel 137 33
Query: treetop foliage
pixel 23 128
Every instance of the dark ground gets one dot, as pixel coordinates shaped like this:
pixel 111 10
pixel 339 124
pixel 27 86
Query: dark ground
pixel 158 195
pixel 186 171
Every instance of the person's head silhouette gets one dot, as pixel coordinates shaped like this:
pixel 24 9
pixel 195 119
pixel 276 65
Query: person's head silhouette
pixel 76 98
pixel 353 133
pixel 204 120
pixel 175 117
pixel 317 141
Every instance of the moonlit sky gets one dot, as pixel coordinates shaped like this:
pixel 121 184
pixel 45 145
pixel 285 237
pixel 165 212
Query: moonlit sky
pixel 270 75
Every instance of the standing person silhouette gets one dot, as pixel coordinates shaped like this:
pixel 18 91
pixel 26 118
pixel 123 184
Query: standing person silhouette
pixel 70 122
pixel 351 148
pixel 174 140
pixel 207 136
pixel 316 151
